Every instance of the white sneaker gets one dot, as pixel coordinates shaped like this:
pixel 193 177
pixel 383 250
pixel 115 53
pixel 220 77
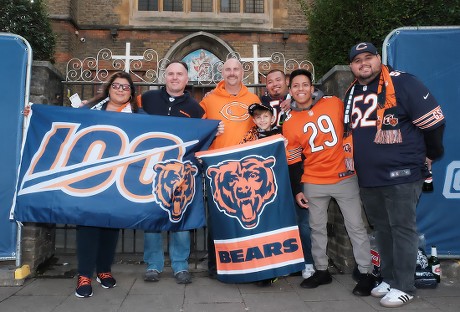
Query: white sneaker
pixel 380 290
pixel 395 298
pixel 308 271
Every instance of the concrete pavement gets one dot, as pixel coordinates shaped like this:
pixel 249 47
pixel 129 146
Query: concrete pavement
pixel 54 291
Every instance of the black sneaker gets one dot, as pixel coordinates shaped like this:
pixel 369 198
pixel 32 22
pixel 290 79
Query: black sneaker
pixel 84 289
pixel 152 276
pixel 106 280
pixel 320 277
pixel 183 277
pixel 366 283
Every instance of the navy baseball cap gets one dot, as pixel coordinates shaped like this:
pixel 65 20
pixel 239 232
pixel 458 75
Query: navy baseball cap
pixel 361 48
pixel 262 106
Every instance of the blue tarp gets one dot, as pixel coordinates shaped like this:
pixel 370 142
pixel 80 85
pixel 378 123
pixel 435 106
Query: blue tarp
pixel 13 79
pixel 432 54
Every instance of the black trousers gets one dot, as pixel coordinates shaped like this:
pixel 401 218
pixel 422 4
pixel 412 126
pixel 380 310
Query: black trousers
pixel 95 249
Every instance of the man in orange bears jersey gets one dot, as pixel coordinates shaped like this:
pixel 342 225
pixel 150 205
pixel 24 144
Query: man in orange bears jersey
pixel 229 103
pixel 314 128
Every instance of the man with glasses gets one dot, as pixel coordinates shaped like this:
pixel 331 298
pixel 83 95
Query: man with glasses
pixel 170 100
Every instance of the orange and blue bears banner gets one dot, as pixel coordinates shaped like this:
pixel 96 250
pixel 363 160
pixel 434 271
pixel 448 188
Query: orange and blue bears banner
pixel 108 169
pixel 252 211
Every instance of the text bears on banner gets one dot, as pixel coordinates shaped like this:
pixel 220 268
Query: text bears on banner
pixel 252 211
pixel 128 171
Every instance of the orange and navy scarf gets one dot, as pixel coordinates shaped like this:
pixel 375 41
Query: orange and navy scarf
pixel 388 131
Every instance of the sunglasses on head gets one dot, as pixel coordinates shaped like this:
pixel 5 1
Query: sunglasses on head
pixel 124 87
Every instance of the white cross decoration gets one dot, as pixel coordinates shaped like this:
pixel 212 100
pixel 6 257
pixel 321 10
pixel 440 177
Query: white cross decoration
pixel 127 58
pixel 255 61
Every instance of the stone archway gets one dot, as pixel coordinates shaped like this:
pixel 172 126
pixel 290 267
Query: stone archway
pixel 199 40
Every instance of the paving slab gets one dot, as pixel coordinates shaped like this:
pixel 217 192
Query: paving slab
pixel 54 292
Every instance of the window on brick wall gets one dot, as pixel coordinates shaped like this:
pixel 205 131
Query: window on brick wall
pixel 161 5
pixel 254 6
pixel 147 5
pixel 173 5
pixel 230 6
pixel 224 6
pixel 215 14
pixel 201 5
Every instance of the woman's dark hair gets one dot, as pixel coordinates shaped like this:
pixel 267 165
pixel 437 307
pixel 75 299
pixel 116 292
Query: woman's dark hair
pixel 299 72
pixel 105 92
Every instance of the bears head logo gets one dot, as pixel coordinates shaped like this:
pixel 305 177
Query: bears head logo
pixel 242 188
pixel 174 187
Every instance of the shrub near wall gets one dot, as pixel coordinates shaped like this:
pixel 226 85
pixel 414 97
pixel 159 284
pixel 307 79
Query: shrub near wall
pixel 336 25
pixel 29 20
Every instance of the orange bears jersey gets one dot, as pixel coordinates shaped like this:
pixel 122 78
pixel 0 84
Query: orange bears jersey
pixel 317 133
pixel 232 110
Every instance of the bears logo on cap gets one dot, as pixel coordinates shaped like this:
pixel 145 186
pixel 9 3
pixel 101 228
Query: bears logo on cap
pixel 262 106
pixel 361 48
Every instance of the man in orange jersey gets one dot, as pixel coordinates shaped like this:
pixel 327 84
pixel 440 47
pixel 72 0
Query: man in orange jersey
pixel 314 128
pixel 228 102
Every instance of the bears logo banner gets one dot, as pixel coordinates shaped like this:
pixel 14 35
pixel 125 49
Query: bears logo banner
pixel 107 169
pixel 252 211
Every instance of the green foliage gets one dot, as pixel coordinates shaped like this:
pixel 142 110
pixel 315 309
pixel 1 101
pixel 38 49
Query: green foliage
pixel 336 25
pixel 29 19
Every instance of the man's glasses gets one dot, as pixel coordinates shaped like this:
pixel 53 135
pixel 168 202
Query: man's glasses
pixel 117 86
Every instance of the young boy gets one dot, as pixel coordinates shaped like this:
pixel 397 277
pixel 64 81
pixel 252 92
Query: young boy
pixel 263 116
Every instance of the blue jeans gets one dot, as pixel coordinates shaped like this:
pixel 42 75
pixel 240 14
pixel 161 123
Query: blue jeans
pixel 391 211
pixel 304 231
pixel 179 251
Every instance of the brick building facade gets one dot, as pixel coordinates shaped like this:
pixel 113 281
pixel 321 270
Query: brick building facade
pixel 83 27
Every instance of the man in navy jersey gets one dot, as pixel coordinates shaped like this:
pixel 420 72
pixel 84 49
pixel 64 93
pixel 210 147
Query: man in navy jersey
pixel 396 127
